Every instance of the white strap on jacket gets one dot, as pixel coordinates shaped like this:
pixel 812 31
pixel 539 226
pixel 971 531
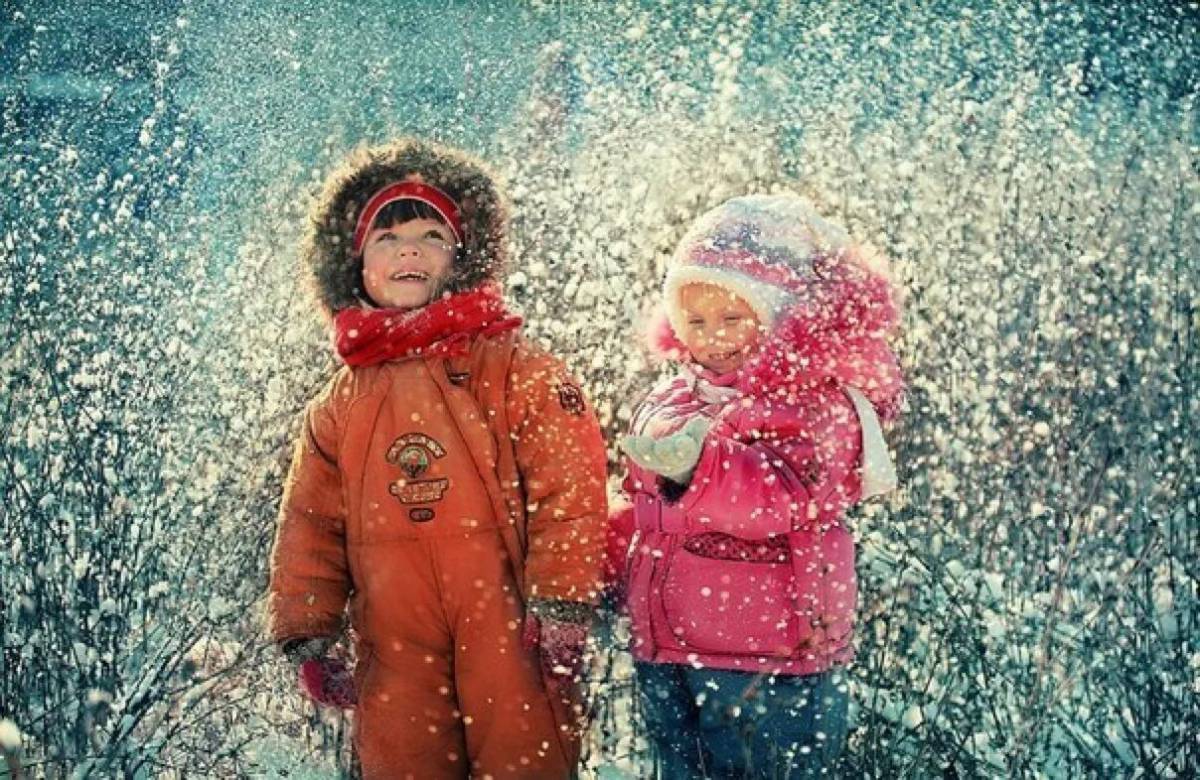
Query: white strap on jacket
pixel 878 472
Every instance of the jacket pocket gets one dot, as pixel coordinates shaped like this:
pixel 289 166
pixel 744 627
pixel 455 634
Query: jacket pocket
pixel 723 597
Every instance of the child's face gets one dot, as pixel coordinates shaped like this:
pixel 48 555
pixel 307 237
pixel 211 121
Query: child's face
pixel 405 264
pixel 720 329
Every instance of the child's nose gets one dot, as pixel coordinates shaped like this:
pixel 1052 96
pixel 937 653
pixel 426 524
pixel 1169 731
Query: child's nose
pixel 407 248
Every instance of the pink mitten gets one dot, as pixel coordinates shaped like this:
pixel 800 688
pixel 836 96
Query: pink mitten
pixel 328 682
pixel 619 535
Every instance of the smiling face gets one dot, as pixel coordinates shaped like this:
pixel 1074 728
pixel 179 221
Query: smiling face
pixel 405 264
pixel 720 329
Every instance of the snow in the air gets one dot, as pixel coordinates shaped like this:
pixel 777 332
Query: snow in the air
pixel 1028 597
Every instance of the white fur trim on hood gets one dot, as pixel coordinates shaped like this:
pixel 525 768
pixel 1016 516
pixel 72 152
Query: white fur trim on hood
pixel 767 300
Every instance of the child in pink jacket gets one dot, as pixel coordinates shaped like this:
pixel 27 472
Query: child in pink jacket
pixel 739 576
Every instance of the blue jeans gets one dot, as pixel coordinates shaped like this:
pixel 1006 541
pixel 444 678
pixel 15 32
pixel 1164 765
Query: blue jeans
pixel 723 724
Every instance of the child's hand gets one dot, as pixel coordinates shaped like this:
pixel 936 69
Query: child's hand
pixel 558 632
pixel 328 682
pixel 674 456
pixel 321 677
pixel 561 646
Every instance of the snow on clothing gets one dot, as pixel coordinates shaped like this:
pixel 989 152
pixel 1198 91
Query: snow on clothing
pixel 428 440
pixel 437 488
pixel 749 568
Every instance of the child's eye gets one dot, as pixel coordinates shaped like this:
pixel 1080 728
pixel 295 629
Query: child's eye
pixel 436 240
pixel 385 236
pixel 732 318
pixel 695 323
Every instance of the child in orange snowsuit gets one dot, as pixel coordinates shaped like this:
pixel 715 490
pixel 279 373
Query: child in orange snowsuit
pixel 448 485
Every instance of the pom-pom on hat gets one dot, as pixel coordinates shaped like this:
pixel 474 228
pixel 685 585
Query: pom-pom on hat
pixel 763 248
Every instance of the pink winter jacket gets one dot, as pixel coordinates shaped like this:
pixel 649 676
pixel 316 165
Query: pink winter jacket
pixel 749 567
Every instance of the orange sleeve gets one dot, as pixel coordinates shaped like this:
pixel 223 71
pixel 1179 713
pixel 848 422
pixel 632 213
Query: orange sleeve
pixel 561 459
pixel 310 580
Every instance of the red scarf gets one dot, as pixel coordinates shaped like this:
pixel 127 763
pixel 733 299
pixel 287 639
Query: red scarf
pixel 364 337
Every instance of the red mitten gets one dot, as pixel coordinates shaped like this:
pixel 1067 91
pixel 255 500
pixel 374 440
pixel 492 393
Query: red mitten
pixel 328 682
pixel 560 645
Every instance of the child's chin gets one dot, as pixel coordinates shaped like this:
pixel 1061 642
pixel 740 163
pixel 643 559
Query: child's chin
pixel 408 299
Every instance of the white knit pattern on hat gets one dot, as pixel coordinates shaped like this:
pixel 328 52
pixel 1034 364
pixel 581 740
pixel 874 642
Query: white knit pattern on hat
pixel 779 229
pixel 786 223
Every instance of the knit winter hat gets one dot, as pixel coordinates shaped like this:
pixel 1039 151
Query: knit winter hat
pixel 762 248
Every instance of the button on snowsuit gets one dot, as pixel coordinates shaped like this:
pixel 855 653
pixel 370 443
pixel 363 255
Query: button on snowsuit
pixel 436 496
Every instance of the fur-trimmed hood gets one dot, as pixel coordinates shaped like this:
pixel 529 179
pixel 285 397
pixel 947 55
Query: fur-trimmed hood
pixel 837 331
pixel 827 306
pixel 336 274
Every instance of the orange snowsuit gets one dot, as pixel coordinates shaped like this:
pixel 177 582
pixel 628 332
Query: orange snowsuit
pixel 437 495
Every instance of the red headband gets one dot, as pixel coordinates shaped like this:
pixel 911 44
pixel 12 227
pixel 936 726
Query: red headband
pixel 439 201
